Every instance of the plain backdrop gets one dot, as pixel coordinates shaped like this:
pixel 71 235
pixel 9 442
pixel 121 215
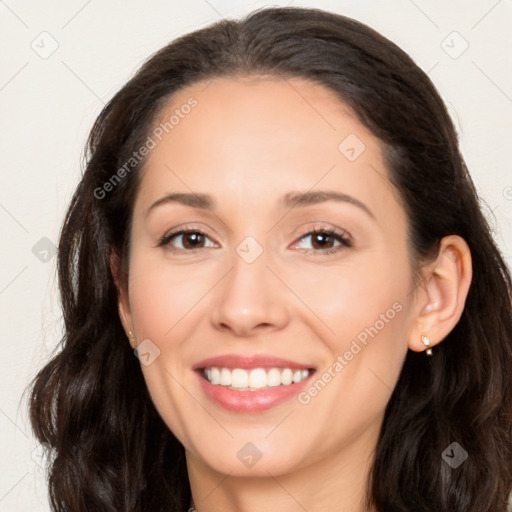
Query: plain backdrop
pixel 60 62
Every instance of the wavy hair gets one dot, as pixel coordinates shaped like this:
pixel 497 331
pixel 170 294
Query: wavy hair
pixel 110 449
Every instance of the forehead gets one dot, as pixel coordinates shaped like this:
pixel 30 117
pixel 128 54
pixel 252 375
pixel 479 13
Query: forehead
pixel 256 137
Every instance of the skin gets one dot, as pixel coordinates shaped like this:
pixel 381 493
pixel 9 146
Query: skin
pixel 248 142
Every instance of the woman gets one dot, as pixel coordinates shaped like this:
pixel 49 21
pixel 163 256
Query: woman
pixel 276 214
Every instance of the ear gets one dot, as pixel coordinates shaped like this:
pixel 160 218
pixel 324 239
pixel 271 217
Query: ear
pixel 121 283
pixel 442 294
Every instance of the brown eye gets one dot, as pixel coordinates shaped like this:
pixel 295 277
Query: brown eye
pixel 325 241
pixel 192 240
pixel 322 241
pixel 186 240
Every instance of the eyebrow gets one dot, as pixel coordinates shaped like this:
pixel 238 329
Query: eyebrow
pixel 289 200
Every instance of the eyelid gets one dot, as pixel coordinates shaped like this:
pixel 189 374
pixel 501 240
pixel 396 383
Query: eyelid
pixel 344 237
pixel 164 240
pixel 323 227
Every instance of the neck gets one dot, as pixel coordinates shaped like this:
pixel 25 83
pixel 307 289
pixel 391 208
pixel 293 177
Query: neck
pixel 338 482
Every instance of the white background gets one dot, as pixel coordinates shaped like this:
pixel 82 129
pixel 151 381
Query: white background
pixel 48 106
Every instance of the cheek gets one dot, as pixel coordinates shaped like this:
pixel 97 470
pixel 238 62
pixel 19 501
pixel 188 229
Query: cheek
pixel 361 312
pixel 163 295
pixel 356 300
pixel 163 301
pixel 365 314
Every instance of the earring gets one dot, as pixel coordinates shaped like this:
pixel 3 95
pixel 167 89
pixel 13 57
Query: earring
pixel 131 339
pixel 426 341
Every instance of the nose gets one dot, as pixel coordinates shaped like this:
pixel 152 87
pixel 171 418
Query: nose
pixel 250 300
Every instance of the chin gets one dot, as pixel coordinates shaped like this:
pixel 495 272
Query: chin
pixel 245 458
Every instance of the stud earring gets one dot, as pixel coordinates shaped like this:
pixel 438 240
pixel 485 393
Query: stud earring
pixel 426 341
pixel 131 339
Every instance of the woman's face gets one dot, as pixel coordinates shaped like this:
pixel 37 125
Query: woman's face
pixel 316 324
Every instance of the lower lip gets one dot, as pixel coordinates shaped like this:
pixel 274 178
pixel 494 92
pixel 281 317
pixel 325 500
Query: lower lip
pixel 250 401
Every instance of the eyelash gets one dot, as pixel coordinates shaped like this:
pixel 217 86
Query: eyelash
pixel 344 239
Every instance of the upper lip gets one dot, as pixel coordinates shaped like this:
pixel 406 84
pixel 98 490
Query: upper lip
pixel 246 362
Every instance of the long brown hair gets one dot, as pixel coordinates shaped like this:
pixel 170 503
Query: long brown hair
pixel 110 449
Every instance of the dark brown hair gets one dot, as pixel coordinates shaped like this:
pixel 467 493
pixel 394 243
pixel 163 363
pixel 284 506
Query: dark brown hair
pixel 111 451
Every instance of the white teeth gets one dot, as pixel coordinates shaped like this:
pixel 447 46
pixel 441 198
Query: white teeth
pixel 287 377
pixel 239 378
pixel 274 377
pixel 225 377
pixel 215 376
pixel 257 378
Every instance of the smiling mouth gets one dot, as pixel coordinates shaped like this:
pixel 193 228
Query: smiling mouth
pixel 256 379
